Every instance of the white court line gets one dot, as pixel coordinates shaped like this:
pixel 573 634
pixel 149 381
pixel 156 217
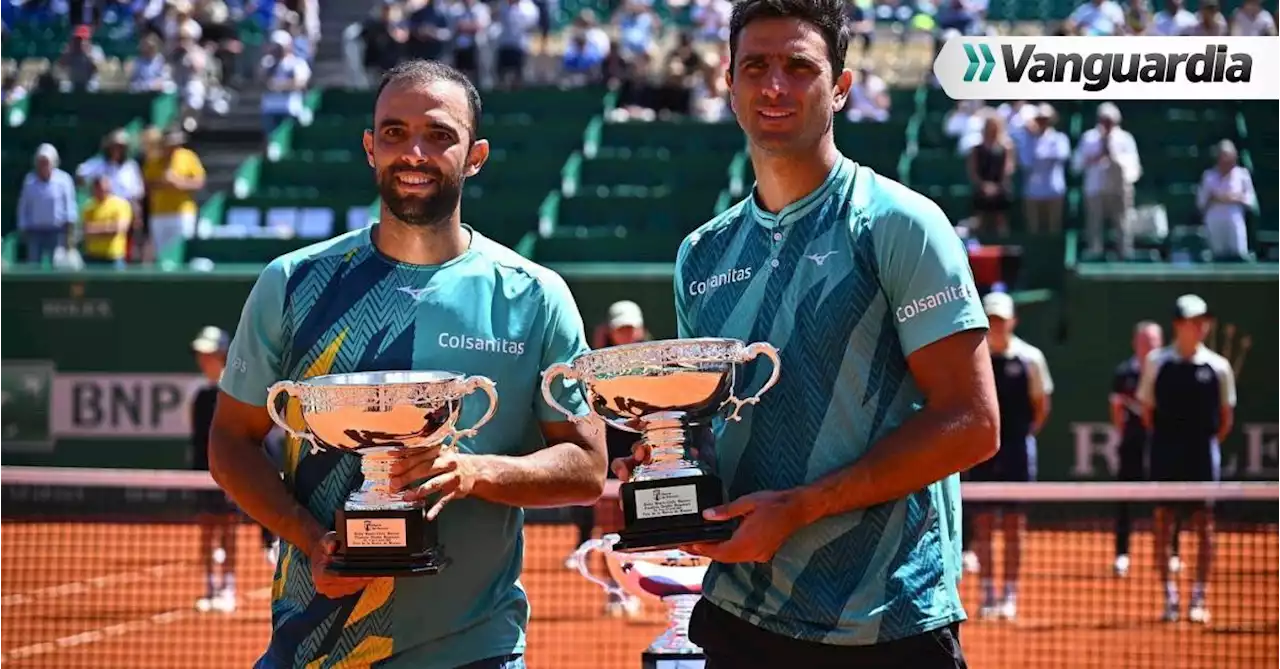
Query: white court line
pixel 116 630
pixel 81 587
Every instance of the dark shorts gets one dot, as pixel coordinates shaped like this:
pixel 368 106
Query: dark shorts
pixel 510 60
pixel 1186 463
pixel 1133 459
pixel 1010 464
pixel 732 643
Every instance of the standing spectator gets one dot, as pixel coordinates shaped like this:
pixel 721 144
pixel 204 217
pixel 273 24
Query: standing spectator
pixel 1226 191
pixel 636 27
pixel 1211 21
pixel 286 77
pixel 990 165
pixel 1126 417
pixel 122 171
pixel 711 20
pixel 517 19
pixel 429 33
pixel 80 62
pixel 1044 157
pixel 1137 18
pixel 190 65
pixel 46 206
pixel 582 60
pixel 1251 20
pixel 384 37
pixel 173 178
pixel 1188 394
pixel 868 97
pixel 1097 18
pixel 1173 20
pixel 1108 156
pixel 862 24
pixel 471 22
pixel 105 224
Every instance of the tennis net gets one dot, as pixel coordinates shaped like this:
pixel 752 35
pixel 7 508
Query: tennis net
pixel 105 568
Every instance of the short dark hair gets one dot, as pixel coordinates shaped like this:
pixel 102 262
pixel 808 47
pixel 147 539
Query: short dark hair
pixel 825 15
pixel 421 71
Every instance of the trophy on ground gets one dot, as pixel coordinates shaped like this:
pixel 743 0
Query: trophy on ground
pixel 668 391
pixel 376 415
pixel 673 577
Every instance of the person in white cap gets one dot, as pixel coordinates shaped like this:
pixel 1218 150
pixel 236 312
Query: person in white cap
pixel 218 515
pixel 1108 158
pixel 1225 192
pixel 1044 157
pixel 1188 394
pixel 1023 389
pixel 625 325
pixel 287 77
pixel 46 206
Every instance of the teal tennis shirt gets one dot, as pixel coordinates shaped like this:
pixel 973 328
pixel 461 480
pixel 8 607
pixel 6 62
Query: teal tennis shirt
pixel 846 283
pixel 341 306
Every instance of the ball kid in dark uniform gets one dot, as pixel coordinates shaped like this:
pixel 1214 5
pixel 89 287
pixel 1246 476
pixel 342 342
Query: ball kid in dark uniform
pixel 1023 388
pixel 1188 395
pixel 1126 417
pixel 218 516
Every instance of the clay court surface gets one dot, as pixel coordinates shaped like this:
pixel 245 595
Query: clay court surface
pixel 131 605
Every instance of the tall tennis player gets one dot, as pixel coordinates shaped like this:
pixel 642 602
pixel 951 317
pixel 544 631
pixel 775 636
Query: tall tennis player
pixel 844 478
pixel 416 290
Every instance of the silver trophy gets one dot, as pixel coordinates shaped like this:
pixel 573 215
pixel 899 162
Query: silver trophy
pixel 666 390
pixel 672 577
pixel 375 415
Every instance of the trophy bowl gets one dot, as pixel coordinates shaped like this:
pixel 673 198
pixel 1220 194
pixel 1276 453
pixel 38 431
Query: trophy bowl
pixel 669 391
pixel 378 416
pixel 672 577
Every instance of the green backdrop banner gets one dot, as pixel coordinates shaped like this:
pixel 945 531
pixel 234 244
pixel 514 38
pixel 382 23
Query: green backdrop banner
pixel 97 366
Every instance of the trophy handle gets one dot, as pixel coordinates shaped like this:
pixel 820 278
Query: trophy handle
pixel 580 558
pixel 471 384
pixel 569 374
pixel 273 395
pixel 751 353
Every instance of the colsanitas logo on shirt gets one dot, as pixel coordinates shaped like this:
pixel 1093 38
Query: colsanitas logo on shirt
pixel 1109 68
pixel 470 343
pixel 920 305
pixel 733 275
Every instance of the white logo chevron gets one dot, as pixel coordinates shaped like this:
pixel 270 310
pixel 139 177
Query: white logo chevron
pixel 819 258
pixel 418 294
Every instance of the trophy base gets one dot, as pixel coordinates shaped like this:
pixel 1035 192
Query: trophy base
pixel 396 540
pixel 635 541
pixel 673 661
pixel 425 564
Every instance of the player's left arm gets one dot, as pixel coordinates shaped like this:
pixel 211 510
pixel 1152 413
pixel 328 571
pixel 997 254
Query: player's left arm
pixel 921 258
pixel 1227 395
pixel 569 470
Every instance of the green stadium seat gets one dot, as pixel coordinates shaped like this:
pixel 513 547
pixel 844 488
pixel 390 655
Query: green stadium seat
pixel 593 245
pixel 683 137
pixel 638 210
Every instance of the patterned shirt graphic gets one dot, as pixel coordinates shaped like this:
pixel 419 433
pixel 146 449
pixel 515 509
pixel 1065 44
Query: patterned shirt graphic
pixel 846 283
pixel 341 306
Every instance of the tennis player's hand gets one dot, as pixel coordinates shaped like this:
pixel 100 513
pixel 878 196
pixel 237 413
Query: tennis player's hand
pixel 450 473
pixel 769 518
pixel 622 467
pixel 328 584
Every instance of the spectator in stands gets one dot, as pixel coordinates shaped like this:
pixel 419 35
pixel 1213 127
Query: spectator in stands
pixel 1108 157
pixel 965 123
pixel 105 222
pixel 429 30
pixel 861 24
pixel 190 65
pixel 286 77
pixel 220 36
pixel 80 62
pixel 710 94
pixel 1226 191
pixel 517 21
pixel 471 24
pixel 123 175
pixel 990 166
pixel 1043 156
pixel 637 26
pixel 1251 20
pixel 149 71
pixel 582 60
pixel 305 14
pixel 1211 22
pixel 868 97
pixel 1137 18
pixel 1096 18
pixel 46 207
pixel 384 38
pixel 710 20
pixel 13 90
pixel 1173 20
pixel 173 178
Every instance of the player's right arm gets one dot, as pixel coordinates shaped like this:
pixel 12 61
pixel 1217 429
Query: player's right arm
pixel 237 459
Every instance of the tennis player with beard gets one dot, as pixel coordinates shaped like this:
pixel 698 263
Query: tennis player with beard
pixel 417 290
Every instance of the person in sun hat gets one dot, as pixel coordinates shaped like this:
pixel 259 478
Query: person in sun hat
pixel 1188 394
